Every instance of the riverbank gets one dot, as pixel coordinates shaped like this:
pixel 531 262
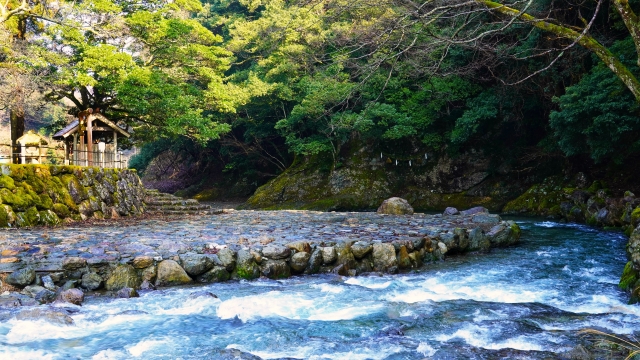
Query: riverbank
pixel 528 301
pixel 242 245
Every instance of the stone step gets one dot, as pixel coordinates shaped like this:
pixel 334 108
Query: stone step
pixel 179 207
pixel 172 202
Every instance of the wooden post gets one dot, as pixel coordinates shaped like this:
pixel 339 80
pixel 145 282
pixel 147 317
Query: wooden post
pixel 75 148
pixel 66 152
pixel 89 140
pixel 115 149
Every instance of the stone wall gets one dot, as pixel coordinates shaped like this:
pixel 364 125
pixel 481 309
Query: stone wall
pixel 33 195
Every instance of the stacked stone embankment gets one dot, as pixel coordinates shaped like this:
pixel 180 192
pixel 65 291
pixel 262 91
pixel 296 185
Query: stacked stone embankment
pixel 240 245
pixel 33 195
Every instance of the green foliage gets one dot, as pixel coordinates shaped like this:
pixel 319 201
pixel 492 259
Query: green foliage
pixel 598 116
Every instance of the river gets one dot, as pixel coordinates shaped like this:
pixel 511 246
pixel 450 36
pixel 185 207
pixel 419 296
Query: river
pixel 527 301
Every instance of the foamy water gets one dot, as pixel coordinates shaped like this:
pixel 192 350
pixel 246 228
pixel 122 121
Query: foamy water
pixel 534 298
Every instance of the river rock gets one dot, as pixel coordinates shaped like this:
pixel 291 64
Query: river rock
pixel 227 258
pixel 74 263
pixel 276 252
pixel 463 238
pixel 123 276
pixel 314 263
pixel 450 211
pixel 474 210
pixel 345 256
pixel 395 206
pixel 450 240
pixel 275 269
pixel 127 293
pixel 45 296
pixel 46 314
pixel 22 277
pixel 483 218
pixel 299 261
pixel 31 290
pixel 246 267
pixel 170 274
pixel 91 281
pixel 141 262
pixel 216 274
pixel 300 246
pixel 195 264
pixel 69 284
pixel 47 282
pixel 72 296
pixel 503 235
pixel 360 249
pixel 329 254
pixel 384 256
pixel 478 241
pixel 404 262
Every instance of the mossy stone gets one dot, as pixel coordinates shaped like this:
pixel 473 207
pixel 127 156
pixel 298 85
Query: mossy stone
pixel 7 182
pixel 124 276
pixel 61 210
pixel 629 277
pixel 48 217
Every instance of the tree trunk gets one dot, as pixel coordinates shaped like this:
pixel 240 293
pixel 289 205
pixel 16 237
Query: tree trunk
pixel 17 130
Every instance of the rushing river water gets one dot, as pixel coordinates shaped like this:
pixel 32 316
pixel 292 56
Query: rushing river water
pixel 527 301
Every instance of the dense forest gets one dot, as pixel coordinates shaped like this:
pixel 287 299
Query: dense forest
pixel 235 91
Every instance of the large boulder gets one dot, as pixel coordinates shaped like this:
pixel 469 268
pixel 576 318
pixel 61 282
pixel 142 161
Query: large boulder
pixel 395 206
pixel 123 276
pixel 384 257
pixel 22 277
pixel 171 274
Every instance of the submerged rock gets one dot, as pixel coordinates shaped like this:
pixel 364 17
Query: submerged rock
pixel 170 274
pixel 395 206
pixel 47 314
pixel 202 293
pixel 233 354
pixel 126 293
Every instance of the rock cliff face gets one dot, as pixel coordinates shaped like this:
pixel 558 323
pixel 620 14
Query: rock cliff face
pixel 365 179
pixel 46 195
